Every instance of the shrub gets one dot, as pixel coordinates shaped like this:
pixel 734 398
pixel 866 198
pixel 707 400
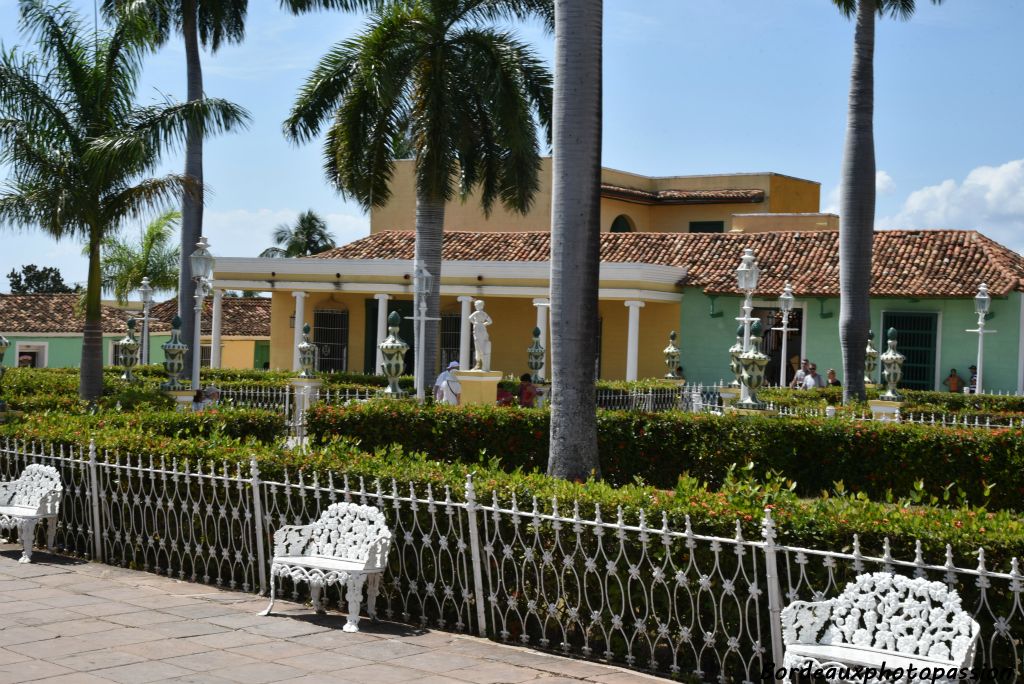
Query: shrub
pixel 882 460
pixel 151 432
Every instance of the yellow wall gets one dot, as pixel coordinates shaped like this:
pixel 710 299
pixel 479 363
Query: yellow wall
pixel 282 339
pixel 763 223
pixel 657 320
pixel 511 333
pixel 235 352
pixel 793 195
pixel 782 194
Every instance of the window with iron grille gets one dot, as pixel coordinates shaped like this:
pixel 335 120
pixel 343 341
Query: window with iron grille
pixel 916 337
pixel 451 333
pixel 330 334
pixel 205 354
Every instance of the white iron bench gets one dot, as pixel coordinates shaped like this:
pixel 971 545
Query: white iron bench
pixel 348 545
pixel 24 502
pixel 882 618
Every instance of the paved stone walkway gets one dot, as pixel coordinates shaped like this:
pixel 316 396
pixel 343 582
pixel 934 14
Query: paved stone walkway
pixel 63 620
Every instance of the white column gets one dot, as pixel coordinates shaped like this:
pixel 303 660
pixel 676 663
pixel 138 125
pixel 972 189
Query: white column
pixel 543 307
pixel 382 328
pixel 633 341
pixel 465 363
pixel 218 296
pixel 300 317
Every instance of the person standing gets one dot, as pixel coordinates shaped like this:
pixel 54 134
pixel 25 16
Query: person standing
pixel 447 388
pixel 800 375
pixel 812 380
pixel 974 380
pixel 832 380
pixel 954 382
pixel 527 391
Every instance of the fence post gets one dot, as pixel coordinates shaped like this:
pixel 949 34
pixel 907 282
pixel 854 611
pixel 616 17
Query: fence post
pixel 475 553
pixel 257 512
pixel 94 491
pixel 774 587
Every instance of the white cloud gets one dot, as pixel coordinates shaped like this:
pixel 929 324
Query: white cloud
pixel 884 184
pixel 990 199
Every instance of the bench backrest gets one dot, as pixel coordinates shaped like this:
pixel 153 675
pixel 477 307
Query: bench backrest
pixel 38 488
pixel 912 616
pixel 345 530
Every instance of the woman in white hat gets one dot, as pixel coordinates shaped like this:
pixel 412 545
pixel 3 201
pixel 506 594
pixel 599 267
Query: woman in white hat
pixel 447 388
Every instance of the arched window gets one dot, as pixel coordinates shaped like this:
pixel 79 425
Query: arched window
pixel 623 224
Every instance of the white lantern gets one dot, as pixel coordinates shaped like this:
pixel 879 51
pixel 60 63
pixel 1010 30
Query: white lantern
pixel 201 260
pixel 982 300
pixel 748 273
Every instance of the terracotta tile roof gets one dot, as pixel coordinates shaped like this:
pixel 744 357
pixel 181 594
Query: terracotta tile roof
pixel 240 316
pixel 57 313
pixel 682 196
pixel 918 263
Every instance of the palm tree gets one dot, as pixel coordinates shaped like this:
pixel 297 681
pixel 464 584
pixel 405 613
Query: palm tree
pixel 309 236
pixel 154 256
pixel 575 238
pixel 469 96
pixel 211 23
pixel 857 203
pixel 80 150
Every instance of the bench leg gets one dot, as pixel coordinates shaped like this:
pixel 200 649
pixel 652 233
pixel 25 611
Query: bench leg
pixel 354 598
pixel 315 591
pixel 273 585
pixel 51 532
pixel 372 589
pixel 27 530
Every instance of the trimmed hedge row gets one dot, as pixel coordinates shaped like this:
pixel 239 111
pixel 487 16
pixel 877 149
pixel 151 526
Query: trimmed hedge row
pixel 145 432
pixel 821 522
pixel 882 460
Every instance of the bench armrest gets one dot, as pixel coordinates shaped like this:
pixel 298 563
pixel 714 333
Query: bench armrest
pixel 377 553
pixel 49 504
pixel 803 621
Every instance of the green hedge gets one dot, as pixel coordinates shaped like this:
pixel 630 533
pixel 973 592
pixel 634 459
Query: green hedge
pixel 882 460
pixel 153 432
pixel 821 522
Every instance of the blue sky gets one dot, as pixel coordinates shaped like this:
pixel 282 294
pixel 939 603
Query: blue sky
pixel 690 88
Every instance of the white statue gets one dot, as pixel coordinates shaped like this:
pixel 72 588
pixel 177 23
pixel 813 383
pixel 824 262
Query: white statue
pixel 481 338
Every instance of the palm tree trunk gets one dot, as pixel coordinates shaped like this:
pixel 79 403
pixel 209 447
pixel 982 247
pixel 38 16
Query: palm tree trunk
pixel 575 238
pixel 192 201
pixel 429 239
pixel 857 207
pixel 90 378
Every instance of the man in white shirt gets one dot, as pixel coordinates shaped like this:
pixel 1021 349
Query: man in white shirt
pixel 812 379
pixel 447 388
pixel 801 375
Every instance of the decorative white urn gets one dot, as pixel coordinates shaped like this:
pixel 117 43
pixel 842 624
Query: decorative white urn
pixel 870 360
pixel 753 363
pixel 671 353
pixel 892 368
pixel 393 350
pixel 174 358
pixel 307 354
pixel 129 347
pixel 535 356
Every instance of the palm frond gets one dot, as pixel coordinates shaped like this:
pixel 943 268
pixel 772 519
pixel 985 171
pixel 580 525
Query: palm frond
pixel 490 11
pixel 303 6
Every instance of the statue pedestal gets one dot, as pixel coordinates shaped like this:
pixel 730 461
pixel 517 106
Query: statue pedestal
pixel 729 395
pixel 182 399
pixel 737 411
pixel 478 387
pixel 885 411
pixel 306 391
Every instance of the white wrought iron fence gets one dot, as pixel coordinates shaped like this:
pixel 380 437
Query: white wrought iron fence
pixel 648 596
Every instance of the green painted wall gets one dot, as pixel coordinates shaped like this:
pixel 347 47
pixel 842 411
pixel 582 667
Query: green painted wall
pixel 66 352
pixel 704 341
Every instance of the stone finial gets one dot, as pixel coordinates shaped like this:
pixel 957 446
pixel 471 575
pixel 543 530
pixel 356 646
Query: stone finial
pixel 892 365
pixel 129 352
pixel 307 354
pixel 671 353
pixel 393 350
pixel 535 356
pixel 174 357
pixel 870 359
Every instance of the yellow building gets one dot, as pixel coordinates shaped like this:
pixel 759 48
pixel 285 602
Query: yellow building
pixel 504 260
pixel 630 202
